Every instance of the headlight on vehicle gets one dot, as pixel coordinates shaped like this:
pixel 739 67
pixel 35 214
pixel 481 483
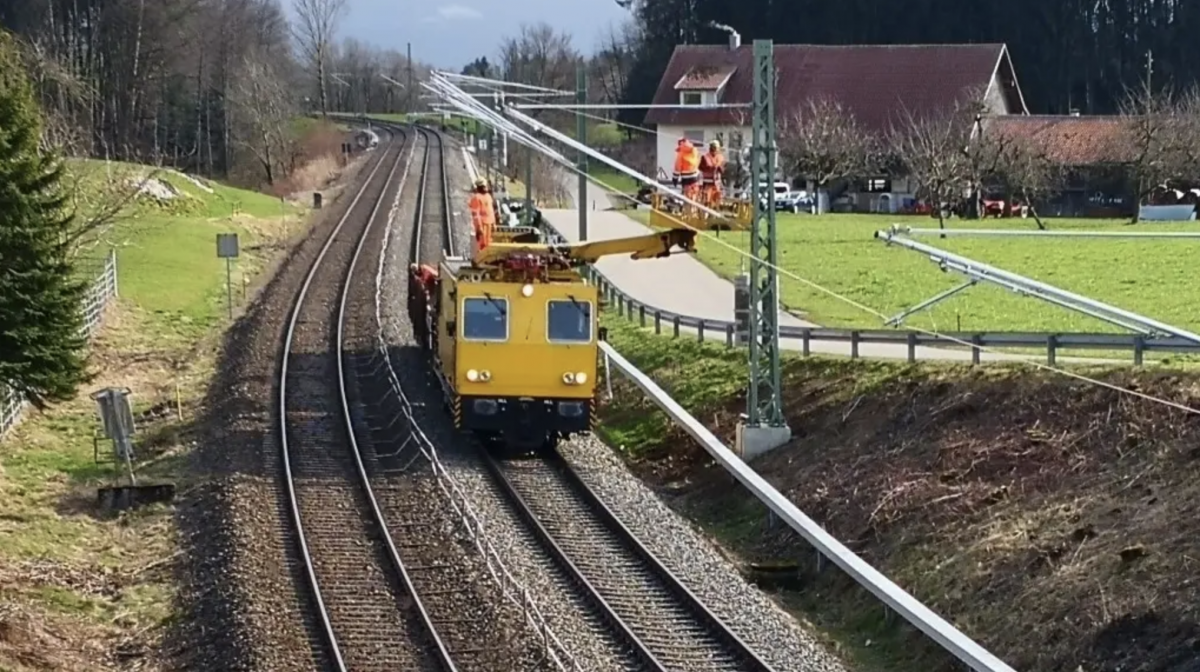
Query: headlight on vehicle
pixel 581 378
pixel 569 378
pixel 472 375
pixel 485 375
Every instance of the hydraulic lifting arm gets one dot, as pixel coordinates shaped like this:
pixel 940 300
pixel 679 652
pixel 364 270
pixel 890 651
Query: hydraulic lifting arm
pixel 650 246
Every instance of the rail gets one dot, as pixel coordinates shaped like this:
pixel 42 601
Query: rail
pixel 469 519
pixel 289 461
pixel 704 328
pixel 893 596
pixel 587 541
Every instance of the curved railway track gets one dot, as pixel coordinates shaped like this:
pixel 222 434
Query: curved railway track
pixel 370 617
pixel 633 601
pixel 474 622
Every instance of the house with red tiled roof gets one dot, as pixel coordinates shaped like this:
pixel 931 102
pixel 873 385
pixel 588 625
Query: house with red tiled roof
pixel 877 83
pixel 1092 150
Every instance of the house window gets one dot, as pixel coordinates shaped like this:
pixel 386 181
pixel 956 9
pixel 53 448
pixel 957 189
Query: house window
pixel 878 185
pixel 695 137
pixel 691 98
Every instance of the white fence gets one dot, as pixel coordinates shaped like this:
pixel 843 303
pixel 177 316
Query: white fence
pixel 103 289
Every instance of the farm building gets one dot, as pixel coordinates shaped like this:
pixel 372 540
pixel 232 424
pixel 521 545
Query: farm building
pixel 1093 152
pixel 875 82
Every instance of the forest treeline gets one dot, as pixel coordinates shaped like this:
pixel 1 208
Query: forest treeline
pixel 208 86
pixel 1068 54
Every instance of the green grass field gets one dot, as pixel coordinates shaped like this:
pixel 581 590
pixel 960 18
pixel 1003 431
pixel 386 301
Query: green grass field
pixel 839 253
pixel 621 182
pixel 159 341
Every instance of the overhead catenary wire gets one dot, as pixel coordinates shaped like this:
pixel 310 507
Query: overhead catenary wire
pixel 623 169
pixel 513 95
pixel 570 107
pixel 482 112
pixel 445 74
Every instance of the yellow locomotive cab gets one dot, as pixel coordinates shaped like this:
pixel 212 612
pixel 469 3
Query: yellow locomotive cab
pixel 513 333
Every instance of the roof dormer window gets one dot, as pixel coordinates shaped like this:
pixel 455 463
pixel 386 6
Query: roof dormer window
pixel 701 86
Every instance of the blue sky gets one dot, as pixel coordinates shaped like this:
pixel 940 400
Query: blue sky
pixel 450 33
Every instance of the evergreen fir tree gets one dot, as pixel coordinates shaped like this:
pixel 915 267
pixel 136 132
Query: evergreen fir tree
pixel 41 347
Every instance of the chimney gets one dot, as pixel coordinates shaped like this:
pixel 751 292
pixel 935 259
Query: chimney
pixel 1074 111
pixel 735 40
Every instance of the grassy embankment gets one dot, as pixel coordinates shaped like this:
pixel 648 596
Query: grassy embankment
pixel 76 581
pixel 1050 519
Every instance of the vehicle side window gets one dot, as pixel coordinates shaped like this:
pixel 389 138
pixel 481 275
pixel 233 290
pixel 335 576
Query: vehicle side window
pixel 485 319
pixel 568 321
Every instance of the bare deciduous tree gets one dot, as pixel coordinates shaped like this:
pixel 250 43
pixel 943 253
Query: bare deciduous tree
pixel 932 149
pixel 822 142
pixel 611 64
pixel 316 24
pixel 263 109
pixel 1023 168
pixel 541 56
pixel 99 200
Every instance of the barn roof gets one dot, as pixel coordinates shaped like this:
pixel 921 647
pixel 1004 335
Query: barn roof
pixel 876 82
pixel 1069 140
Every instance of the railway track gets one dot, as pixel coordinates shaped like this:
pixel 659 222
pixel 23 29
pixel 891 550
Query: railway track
pixel 369 616
pixel 475 623
pixel 664 625
pixel 649 619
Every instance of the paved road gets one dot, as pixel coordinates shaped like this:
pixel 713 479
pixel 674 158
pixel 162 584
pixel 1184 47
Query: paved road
pixel 682 284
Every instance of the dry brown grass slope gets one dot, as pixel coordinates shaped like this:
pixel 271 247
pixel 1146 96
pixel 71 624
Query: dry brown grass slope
pixel 1056 521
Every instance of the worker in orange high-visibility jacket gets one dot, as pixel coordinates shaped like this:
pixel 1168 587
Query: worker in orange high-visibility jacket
pixel 687 168
pixel 712 170
pixel 483 214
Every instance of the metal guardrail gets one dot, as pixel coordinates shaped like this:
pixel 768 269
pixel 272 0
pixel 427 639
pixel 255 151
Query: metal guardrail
pixel 705 329
pixel 660 319
pixel 893 596
pixel 102 290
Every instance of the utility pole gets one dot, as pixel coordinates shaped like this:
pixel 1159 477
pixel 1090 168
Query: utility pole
pixel 529 186
pixel 764 428
pixel 582 160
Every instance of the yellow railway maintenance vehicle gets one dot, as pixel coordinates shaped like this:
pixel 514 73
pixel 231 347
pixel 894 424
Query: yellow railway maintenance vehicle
pixel 666 211
pixel 513 335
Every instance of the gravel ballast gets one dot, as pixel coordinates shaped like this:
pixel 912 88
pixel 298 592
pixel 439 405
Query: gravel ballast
pixel 770 631
pixel 586 640
pixel 239 609
pixel 411 496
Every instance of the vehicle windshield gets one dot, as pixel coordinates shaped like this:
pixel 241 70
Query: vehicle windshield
pixel 485 319
pixel 569 321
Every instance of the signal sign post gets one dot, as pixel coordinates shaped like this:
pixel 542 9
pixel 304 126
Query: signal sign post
pixel 227 249
pixel 764 428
